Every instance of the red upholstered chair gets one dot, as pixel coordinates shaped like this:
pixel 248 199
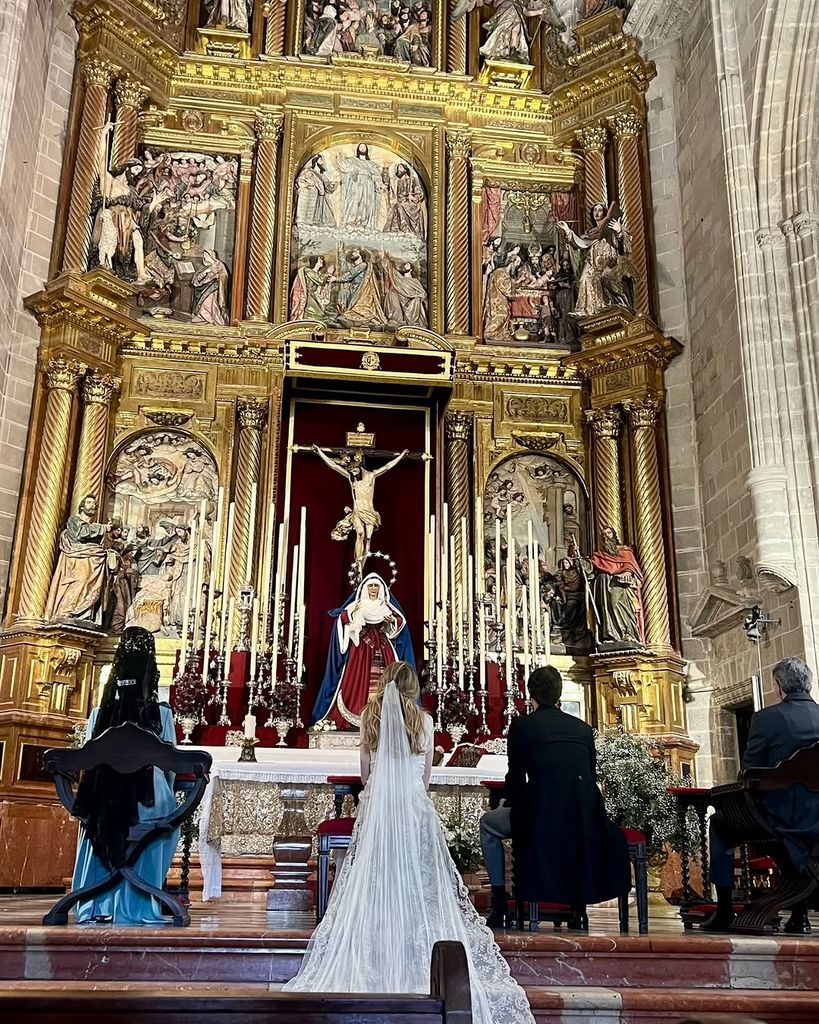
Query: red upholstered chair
pixel 333 834
pixel 637 855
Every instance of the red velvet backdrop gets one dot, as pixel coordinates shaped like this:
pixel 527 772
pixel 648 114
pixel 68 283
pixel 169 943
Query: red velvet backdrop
pixel 400 499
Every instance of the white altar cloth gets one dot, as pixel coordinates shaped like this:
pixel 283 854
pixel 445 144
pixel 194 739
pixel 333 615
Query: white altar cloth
pixel 307 767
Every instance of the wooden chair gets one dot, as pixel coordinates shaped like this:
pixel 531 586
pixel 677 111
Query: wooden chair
pixel 449 1002
pixel 333 834
pixel 344 785
pixel 126 749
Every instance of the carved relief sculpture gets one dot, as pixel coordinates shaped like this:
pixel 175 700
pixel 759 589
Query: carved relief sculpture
pixel 77 584
pixel 508 36
pixel 605 274
pixel 377 28
pixel 617 589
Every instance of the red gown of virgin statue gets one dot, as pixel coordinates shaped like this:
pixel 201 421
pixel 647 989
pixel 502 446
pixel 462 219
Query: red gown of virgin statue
pixel 370 633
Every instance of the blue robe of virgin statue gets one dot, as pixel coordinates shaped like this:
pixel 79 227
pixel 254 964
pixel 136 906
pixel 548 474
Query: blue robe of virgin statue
pixel 337 659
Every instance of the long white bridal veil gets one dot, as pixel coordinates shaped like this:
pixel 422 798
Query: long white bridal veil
pixel 398 893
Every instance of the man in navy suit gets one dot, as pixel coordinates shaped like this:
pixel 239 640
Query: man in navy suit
pixel 777 732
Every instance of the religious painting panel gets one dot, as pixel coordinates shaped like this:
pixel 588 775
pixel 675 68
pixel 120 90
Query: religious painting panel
pixel 359 240
pixel 546 497
pixel 164 222
pixel 402 29
pixel 155 486
pixel 529 280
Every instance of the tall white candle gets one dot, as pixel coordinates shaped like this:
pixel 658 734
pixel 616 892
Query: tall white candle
pixel 547 637
pixel 294 588
pixel 200 574
pixel 251 540
pixel 254 638
pixel 302 555
pixel 498 576
pixel 445 556
pixel 460 620
pixel 470 606
pixel 481 646
pixel 431 581
pixel 538 611
pixel 527 663
pixel 250 726
pixel 480 571
pixel 267 572
pixel 302 633
pixel 453 600
pixel 511 609
pixel 228 648
pixel 226 570
pixel 281 556
pixel 217 526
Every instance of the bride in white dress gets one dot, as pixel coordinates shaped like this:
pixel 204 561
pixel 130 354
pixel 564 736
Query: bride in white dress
pixel 398 891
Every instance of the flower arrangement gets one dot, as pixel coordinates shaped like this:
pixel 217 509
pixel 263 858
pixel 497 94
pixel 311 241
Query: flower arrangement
pixel 634 780
pixel 78 737
pixel 283 701
pixel 463 840
pixel 189 694
pixel 455 709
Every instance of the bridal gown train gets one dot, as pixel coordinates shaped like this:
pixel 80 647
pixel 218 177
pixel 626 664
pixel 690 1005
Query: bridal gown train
pixel 399 892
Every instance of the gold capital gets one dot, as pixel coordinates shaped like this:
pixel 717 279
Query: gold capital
pixel 252 413
pixel 628 124
pixel 63 374
pixel 458 144
pixel 592 138
pixel 643 412
pixel 458 426
pixel 97 389
pixel 129 92
pixel 269 125
pixel 606 423
pixel 97 71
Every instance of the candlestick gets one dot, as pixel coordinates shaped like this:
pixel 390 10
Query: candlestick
pixel 252 535
pixel 226 572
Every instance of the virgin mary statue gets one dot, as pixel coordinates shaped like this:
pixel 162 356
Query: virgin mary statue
pixel 370 633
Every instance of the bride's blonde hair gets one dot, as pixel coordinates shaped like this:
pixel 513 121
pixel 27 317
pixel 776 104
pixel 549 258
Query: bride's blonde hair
pixel 406 682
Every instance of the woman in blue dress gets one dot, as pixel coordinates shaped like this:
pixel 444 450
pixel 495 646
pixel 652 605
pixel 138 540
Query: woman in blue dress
pixel 110 803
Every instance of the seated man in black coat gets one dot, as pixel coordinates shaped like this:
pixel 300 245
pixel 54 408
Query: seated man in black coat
pixel 566 849
pixel 776 733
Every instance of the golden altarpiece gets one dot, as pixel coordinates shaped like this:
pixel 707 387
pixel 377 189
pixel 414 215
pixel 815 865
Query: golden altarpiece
pixel 283 224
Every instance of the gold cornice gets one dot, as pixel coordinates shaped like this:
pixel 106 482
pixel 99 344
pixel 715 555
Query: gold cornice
pixel 618 340
pixel 486 363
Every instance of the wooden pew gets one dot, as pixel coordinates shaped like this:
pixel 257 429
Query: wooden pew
pixel 449 1002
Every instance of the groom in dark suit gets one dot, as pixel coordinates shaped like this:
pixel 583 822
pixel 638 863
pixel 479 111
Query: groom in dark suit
pixel 777 732
pixel 566 849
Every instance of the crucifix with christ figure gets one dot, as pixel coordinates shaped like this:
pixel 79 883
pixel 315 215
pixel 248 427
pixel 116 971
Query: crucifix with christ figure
pixel 362 519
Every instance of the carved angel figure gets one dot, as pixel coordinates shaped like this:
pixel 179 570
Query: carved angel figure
pixel 508 36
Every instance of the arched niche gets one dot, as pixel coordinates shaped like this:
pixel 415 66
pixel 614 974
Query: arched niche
pixel 360 230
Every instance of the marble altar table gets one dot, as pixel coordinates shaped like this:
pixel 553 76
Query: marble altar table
pixel 287 793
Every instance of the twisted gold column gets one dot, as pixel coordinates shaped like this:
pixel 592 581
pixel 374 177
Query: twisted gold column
pixel 263 224
pixel 276 19
pixel 97 75
pixel 457 233
pixel 61 379
pixel 129 95
pixel 606 426
pixel 458 433
pixel 593 140
pixel 649 520
pixel 88 475
pixel 627 128
pixel 456 43
pixel 252 417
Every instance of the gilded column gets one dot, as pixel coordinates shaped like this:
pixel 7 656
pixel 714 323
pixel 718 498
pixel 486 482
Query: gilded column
pixel 129 95
pixel 263 223
pixel 458 434
pixel 252 416
pixel 627 127
pixel 97 75
pixel 97 391
pixel 593 141
pixel 457 232
pixel 606 425
pixel 240 237
pixel 61 379
pixel 456 43
pixel 649 520
pixel 275 21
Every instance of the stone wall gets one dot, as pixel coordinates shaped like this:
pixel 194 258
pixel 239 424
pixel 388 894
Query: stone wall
pixel 35 89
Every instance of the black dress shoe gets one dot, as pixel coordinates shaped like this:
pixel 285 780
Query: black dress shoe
pixel 496 919
pixel 719 921
pixel 797 925
pixel 579 922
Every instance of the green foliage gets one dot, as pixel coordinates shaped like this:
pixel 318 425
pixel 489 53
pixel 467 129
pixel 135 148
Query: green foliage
pixel 463 840
pixel 634 780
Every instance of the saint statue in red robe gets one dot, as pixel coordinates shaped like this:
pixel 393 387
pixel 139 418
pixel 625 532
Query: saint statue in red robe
pixel 370 633
pixel 617 593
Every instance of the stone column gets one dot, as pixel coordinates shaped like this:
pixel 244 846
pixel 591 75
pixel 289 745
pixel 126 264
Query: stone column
pixel 642 416
pixel 61 379
pixel 263 223
pixel 458 434
pixel 129 95
pixel 593 140
pixel 457 233
pixel 456 42
pixel 628 127
pixel 606 426
pixel 275 12
pixel 252 417
pixel 97 75
pixel 97 391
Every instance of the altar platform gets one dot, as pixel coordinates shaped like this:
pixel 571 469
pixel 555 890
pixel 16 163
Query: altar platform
pixel 570 978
